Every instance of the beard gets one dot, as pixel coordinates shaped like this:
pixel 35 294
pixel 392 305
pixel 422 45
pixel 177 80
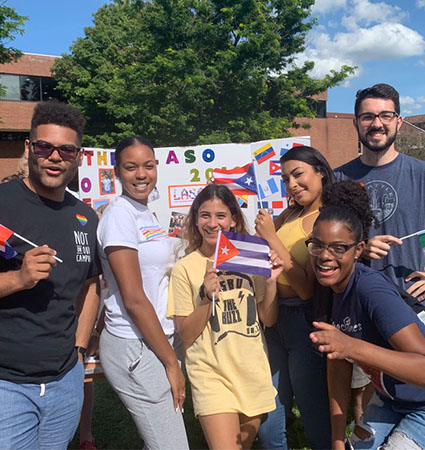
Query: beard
pixel 377 146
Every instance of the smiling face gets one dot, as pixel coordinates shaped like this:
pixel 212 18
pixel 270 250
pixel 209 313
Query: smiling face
pixel 330 271
pixel 376 136
pixel 137 172
pixel 213 216
pixel 303 183
pixel 49 176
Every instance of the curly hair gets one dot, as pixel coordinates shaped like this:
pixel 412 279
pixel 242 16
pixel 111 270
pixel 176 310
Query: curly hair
pixel 348 202
pixel 58 113
pixel 380 90
pixel 190 230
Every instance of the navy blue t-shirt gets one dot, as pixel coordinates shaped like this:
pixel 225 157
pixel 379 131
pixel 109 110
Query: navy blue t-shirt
pixel 397 197
pixel 371 309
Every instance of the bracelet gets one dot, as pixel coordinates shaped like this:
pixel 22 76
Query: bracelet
pixel 96 333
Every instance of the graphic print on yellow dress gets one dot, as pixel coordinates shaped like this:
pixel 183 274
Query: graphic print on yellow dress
pixel 293 237
pixel 227 365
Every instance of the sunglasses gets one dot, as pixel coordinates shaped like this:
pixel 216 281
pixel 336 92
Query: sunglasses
pixel 45 149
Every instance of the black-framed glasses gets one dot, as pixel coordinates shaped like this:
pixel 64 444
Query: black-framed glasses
pixel 385 117
pixel 315 248
pixel 43 149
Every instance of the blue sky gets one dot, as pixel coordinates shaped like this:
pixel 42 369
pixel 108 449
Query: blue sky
pixel 384 39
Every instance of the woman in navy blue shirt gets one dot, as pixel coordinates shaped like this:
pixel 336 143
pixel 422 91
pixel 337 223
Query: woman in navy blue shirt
pixel 371 324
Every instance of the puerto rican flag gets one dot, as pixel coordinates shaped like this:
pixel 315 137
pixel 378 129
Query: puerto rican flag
pixel 242 253
pixel 240 180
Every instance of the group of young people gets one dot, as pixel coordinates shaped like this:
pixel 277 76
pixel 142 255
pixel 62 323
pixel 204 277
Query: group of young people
pixel 265 341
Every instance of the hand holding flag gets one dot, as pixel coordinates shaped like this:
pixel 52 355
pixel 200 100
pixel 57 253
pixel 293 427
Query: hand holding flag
pixel 6 249
pixel 36 266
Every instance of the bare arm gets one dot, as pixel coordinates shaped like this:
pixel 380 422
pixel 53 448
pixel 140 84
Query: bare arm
pixel 125 267
pixel 268 309
pixel 36 265
pixel 87 306
pixel 406 362
pixel 190 327
pixel 300 279
pixel 339 384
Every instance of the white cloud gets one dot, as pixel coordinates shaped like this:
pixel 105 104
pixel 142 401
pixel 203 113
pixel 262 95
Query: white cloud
pixel 410 105
pixel 363 13
pixel 385 41
pixel 324 6
pixel 421 63
pixel 420 3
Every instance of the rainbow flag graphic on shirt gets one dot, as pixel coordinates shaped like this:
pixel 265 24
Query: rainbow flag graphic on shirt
pixel 264 153
pixel 81 219
pixel 238 252
pixel 5 249
pixel 152 232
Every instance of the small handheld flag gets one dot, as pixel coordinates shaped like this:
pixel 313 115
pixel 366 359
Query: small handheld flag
pixel 240 252
pixel 6 233
pixel 420 234
pixel 5 249
pixel 264 153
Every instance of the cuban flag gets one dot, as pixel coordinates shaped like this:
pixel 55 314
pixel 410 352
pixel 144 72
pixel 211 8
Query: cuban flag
pixel 274 168
pixel 5 249
pixel 238 252
pixel 240 180
pixel 264 153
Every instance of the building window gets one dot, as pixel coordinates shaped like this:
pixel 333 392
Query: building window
pixel 321 109
pixel 10 87
pixel 28 88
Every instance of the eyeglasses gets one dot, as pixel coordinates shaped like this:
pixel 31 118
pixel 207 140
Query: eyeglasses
pixel 45 149
pixel 384 116
pixel 315 248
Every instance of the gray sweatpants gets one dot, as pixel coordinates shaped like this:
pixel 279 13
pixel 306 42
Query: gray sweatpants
pixel 140 380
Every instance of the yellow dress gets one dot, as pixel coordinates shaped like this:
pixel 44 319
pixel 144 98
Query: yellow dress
pixel 227 365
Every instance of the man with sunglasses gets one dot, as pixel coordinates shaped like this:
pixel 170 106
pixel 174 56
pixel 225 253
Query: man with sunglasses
pixel 48 294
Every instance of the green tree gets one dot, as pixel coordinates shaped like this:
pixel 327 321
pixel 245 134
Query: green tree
pixel 10 23
pixel 193 71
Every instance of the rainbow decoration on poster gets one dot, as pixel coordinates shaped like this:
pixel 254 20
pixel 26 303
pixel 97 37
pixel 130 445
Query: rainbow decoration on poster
pixel 81 219
pixel 153 232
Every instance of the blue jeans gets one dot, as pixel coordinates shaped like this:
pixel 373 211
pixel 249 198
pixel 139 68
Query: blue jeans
pixel 297 369
pixel 34 416
pixel 400 428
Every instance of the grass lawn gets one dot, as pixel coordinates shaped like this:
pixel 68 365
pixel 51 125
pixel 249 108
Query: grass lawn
pixel 113 427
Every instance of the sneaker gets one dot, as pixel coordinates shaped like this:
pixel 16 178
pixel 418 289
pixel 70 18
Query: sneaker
pixel 88 445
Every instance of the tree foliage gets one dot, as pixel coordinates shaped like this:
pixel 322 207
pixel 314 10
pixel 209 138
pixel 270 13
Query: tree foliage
pixel 10 23
pixel 192 71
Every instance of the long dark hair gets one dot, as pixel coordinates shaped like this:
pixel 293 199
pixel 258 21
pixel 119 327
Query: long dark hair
pixel 313 158
pixel 190 230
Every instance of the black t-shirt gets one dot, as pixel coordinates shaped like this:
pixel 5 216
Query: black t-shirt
pixel 37 326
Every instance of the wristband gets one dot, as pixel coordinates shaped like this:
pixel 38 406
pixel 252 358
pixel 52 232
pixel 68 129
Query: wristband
pixel 81 350
pixel 203 294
